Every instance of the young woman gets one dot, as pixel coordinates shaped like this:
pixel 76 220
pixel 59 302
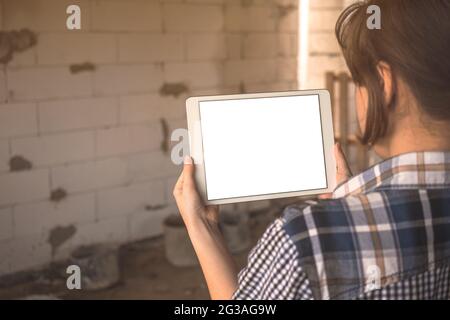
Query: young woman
pixel 384 233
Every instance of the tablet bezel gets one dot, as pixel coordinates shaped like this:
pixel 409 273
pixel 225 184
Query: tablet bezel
pixel 196 144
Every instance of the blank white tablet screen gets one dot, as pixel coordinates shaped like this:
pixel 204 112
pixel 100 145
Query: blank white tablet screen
pixel 261 146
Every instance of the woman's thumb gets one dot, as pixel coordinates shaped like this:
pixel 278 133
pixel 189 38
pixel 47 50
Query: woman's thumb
pixel 188 172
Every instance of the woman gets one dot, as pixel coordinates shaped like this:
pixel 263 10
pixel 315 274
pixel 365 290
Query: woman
pixel 384 233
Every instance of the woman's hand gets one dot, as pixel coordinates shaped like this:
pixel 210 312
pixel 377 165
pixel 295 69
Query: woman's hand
pixel 202 225
pixel 189 201
pixel 343 172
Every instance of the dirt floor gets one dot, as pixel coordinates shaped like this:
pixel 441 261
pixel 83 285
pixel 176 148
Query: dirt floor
pixel 145 274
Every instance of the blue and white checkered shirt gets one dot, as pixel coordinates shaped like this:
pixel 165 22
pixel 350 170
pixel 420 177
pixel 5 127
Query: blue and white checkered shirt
pixel 385 234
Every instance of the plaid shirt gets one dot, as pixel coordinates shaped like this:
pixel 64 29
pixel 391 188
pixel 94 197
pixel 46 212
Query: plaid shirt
pixel 385 234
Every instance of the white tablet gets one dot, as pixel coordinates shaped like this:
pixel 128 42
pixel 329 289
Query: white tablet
pixel 259 146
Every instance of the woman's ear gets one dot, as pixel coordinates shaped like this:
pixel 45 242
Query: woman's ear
pixel 385 72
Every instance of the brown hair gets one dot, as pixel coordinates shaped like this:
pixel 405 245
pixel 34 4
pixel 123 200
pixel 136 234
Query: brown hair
pixel 414 40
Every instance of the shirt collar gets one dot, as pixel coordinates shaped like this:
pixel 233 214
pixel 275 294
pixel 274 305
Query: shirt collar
pixel 410 170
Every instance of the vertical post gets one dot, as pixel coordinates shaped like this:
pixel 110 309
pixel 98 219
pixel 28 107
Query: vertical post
pixel 343 111
pixel 329 80
pixel 303 45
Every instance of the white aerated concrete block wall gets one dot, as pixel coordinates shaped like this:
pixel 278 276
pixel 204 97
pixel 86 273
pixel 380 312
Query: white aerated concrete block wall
pixel 82 156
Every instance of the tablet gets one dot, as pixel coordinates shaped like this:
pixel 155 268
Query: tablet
pixel 260 146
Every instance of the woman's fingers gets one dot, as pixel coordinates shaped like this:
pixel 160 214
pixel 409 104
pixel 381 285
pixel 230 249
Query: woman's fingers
pixel 325 196
pixel 185 183
pixel 190 194
pixel 188 199
pixel 188 175
pixel 343 172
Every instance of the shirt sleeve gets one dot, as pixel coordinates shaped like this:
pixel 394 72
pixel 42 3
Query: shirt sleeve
pixel 272 271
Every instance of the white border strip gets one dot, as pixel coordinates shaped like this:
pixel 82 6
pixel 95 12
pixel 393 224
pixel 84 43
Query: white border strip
pixel 303 44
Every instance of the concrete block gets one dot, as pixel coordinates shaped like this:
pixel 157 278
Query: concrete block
pixel 188 18
pixel 25 58
pixel 63 48
pixel 233 17
pixel 128 139
pixel 206 46
pixel 258 87
pixel 4 93
pixel 90 175
pixel 229 89
pixel 17 119
pixel 5 252
pixel 150 47
pixel 57 148
pixel 234 46
pixel 252 18
pixel 323 43
pixel 126 79
pixel 294 44
pixel 150 107
pixel 25 253
pixel 287 45
pixel 205 1
pixel 288 21
pixel 40 217
pixel 195 74
pixel 151 165
pixel 321 4
pixel 4 155
pixel 261 45
pixel 6 224
pixel 287 69
pixel 323 20
pixel 24 186
pixel 138 15
pixel 315 81
pixel 284 45
pixel 250 71
pixel 123 201
pixel 63 115
pixel 47 83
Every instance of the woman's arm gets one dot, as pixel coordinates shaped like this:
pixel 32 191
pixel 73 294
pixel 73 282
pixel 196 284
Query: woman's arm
pixel 202 223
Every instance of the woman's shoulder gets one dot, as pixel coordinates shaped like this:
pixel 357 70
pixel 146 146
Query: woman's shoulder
pixel 334 207
pixel 329 215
